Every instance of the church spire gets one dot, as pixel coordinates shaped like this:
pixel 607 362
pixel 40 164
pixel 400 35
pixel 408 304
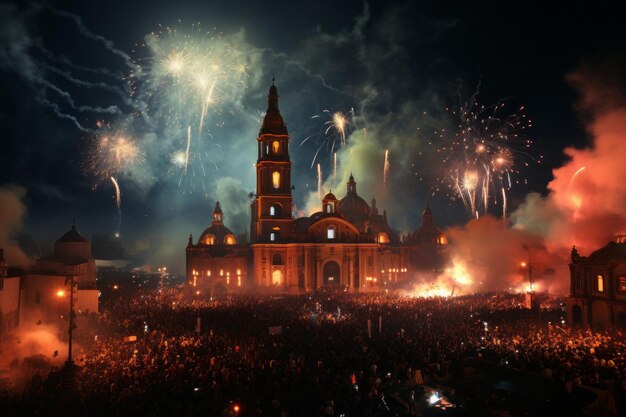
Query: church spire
pixel 427 216
pixel 273 122
pixel 217 214
pixel 351 185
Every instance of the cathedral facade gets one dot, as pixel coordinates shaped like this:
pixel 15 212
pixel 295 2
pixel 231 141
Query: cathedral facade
pixel 598 287
pixel 348 244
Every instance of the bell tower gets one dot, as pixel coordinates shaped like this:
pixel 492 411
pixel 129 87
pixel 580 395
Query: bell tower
pixel 271 219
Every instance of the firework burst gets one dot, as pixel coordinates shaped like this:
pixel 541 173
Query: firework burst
pixel 190 81
pixel 332 135
pixel 478 160
pixel 113 155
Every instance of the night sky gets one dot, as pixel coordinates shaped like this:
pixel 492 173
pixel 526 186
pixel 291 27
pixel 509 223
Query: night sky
pixel 66 82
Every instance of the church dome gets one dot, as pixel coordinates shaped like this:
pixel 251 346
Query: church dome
pixel 353 207
pixel 217 233
pixel 427 232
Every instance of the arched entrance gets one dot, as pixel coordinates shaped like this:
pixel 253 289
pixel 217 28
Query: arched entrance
pixel 277 277
pixel 332 274
pixel 577 316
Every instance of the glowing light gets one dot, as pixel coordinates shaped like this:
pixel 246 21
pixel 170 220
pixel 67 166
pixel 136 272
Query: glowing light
pixel 434 397
pixel 60 293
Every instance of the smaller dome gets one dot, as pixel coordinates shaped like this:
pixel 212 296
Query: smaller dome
pixel 217 234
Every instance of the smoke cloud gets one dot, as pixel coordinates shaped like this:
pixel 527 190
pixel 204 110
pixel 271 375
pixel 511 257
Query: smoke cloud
pixel 12 212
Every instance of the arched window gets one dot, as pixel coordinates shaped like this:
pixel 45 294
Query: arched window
pixel 621 283
pixel 382 237
pixel 330 232
pixel 276 179
pixel 277 259
pixel 275 147
pixel 275 210
pixel 209 240
pixel 230 240
pixel 600 283
pixel 275 233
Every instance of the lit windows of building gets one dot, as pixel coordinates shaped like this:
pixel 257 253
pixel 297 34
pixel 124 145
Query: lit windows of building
pixel 330 232
pixel 275 147
pixel 600 283
pixel 276 180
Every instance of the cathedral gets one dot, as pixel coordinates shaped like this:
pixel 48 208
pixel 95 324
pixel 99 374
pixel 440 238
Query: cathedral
pixel 348 245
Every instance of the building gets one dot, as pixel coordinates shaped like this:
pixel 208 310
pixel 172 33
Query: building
pixel 217 262
pixel 598 287
pixel 40 293
pixel 9 299
pixel 348 244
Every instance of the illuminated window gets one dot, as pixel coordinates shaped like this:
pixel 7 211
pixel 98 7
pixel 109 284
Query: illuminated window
pixel 272 211
pixel 210 240
pixel 275 147
pixel 382 237
pixel 600 280
pixel 272 236
pixel 239 280
pixel 276 179
pixel 330 232
pixel 208 273
pixel 621 283
pixel 229 240
pixel 221 272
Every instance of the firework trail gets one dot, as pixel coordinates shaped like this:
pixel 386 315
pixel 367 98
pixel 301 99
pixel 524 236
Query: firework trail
pixel 478 159
pixel 332 134
pixel 575 199
pixel 319 182
pixel 504 204
pixel 386 168
pixel 335 166
pixel 187 151
pixel 118 202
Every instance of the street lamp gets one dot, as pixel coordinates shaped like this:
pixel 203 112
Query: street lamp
pixel 71 326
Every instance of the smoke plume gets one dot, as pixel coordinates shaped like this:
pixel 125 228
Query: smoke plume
pixel 12 212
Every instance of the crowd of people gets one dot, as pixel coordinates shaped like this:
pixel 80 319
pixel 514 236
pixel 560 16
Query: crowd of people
pixel 170 352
